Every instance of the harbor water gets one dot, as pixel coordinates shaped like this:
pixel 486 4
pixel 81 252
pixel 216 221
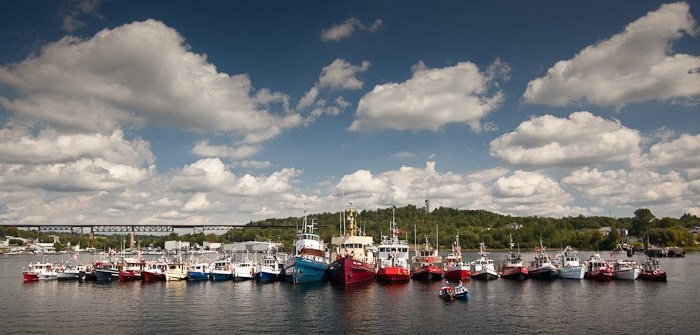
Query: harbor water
pixel 495 307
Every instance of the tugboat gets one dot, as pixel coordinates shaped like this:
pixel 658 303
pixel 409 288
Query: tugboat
pixel 597 269
pixel 393 256
pixel 455 267
pixel 512 266
pixel 542 267
pixel 482 268
pixel 310 262
pixel 354 255
pixel 652 271
pixel 426 264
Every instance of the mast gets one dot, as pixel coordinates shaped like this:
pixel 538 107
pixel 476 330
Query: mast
pixel 437 238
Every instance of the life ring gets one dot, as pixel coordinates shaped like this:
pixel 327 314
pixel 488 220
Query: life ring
pixel 656 272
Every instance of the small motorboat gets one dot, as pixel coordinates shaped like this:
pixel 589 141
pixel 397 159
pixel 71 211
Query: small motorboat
pixel 450 293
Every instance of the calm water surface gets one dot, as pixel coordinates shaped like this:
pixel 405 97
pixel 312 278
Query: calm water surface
pixel 495 307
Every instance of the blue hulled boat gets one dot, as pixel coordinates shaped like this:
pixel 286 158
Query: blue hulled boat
pixel 222 271
pixel 310 262
pixel 198 271
pixel 272 267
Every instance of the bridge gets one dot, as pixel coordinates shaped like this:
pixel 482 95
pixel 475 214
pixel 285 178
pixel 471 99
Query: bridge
pixel 150 228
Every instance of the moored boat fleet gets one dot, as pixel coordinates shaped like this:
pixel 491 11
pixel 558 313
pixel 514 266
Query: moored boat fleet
pixel 354 259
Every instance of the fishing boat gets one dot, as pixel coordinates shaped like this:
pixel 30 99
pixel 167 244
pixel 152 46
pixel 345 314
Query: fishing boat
pixel 354 256
pixel 271 267
pixel 222 270
pixel 455 267
pixel 651 270
pixel 393 256
pixel 542 267
pixel 427 263
pixel 483 268
pixel 625 269
pixel 131 269
pixel 106 271
pixel 39 271
pixel 198 271
pixel 597 269
pixel 154 271
pixel 310 261
pixel 177 270
pixel 449 293
pixel 569 265
pixel 68 270
pixel 245 270
pixel 512 265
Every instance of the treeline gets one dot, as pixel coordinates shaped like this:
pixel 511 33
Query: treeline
pixel 442 225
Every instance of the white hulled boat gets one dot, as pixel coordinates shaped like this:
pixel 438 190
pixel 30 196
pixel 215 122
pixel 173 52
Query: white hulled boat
pixel 569 265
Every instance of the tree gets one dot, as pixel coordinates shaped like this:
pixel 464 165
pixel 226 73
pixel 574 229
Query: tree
pixel 610 242
pixel 642 221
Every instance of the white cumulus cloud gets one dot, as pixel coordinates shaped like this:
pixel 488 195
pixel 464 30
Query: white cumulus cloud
pixel 632 66
pixel 578 140
pixel 139 73
pixel 429 100
pixel 680 153
pixel 344 30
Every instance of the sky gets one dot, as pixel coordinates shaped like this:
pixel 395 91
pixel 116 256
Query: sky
pixel 226 112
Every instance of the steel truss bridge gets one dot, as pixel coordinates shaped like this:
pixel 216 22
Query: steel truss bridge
pixel 152 228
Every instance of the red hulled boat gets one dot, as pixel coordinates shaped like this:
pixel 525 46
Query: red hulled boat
pixel 132 269
pixel 393 257
pixel 597 269
pixel 512 266
pixel 652 271
pixel 427 264
pixel 154 272
pixel 455 267
pixel 354 257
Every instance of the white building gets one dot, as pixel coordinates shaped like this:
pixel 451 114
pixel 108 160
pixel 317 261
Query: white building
pixel 176 245
pixel 251 246
pixel 211 245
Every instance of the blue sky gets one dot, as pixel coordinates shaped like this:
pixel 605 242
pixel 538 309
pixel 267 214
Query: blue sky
pixel 222 112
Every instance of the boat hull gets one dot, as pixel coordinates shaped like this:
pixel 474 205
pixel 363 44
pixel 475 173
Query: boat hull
pixel 103 275
pixel 627 274
pixel 347 270
pixel 30 276
pixel 485 274
pixel 571 272
pixel 457 274
pixel 268 276
pixel 599 275
pixel 393 274
pixel 656 275
pixel 150 277
pixel 514 273
pixel 197 276
pixel 306 271
pixel 88 276
pixel 427 273
pixel 544 273
pixel 125 276
pixel 68 275
pixel 221 276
